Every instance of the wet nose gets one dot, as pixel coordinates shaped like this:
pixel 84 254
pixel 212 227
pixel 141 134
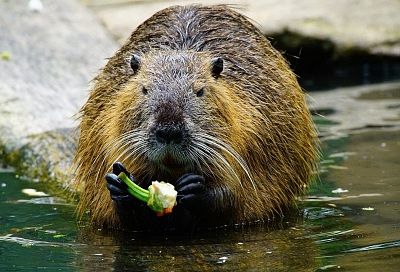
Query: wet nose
pixel 167 135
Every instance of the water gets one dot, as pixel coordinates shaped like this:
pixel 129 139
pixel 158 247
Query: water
pixel 349 221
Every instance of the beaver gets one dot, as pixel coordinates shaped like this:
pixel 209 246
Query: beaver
pixel 199 98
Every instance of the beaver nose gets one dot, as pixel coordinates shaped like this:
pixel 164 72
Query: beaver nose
pixel 167 135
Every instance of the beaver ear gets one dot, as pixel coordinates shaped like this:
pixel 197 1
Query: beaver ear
pixel 135 63
pixel 217 65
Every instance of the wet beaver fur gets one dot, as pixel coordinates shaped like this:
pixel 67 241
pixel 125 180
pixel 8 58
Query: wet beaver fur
pixel 199 98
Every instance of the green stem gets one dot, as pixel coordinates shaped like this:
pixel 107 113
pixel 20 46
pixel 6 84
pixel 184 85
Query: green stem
pixel 134 189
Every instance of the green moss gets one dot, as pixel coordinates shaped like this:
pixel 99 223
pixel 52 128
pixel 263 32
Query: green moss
pixel 5 55
pixel 40 160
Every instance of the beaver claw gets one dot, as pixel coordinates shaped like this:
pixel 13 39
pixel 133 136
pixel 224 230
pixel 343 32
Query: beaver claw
pixel 116 186
pixel 119 190
pixel 193 193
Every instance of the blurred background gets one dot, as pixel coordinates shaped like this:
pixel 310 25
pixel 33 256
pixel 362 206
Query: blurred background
pixel 346 54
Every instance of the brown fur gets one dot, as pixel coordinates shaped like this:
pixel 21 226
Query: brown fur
pixel 256 107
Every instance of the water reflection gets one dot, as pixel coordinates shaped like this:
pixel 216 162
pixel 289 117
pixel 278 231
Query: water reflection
pixel 255 248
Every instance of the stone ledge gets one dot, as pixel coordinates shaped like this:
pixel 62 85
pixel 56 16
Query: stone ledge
pixel 51 56
pixel 369 25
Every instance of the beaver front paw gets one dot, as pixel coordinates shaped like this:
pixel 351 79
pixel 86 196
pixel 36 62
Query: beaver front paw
pixel 119 190
pixel 194 195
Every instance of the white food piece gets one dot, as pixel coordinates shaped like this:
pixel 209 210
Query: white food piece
pixel 165 192
pixel 33 192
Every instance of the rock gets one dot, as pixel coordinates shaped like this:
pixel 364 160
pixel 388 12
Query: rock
pixel 52 56
pixel 369 25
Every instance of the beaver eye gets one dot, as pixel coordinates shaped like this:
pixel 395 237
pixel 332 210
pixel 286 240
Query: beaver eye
pixel 200 92
pixel 135 63
pixel 144 90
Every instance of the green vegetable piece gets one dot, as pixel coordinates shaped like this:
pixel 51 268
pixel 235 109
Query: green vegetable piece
pixel 154 199
pixel 134 189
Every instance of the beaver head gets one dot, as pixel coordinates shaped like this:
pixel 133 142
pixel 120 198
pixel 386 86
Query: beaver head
pixel 173 101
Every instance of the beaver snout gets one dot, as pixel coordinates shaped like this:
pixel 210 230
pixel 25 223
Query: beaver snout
pixel 169 126
pixel 169 134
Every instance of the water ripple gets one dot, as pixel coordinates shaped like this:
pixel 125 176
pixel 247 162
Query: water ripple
pixel 375 247
pixel 315 213
pixel 29 242
pixel 329 234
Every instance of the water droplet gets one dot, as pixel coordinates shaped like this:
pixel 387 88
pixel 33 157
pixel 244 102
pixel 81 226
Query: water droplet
pixel 339 191
pixel 368 209
pixel 222 260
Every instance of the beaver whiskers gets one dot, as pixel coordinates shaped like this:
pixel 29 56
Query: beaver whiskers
pixel 202 152
pixel 129 144
pixel 209 155
pixel 218 143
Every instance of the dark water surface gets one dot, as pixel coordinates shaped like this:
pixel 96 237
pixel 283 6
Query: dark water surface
pixel 350 218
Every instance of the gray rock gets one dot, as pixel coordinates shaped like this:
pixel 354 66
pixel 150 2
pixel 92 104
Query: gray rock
pixel 370 25
pixel 47 58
